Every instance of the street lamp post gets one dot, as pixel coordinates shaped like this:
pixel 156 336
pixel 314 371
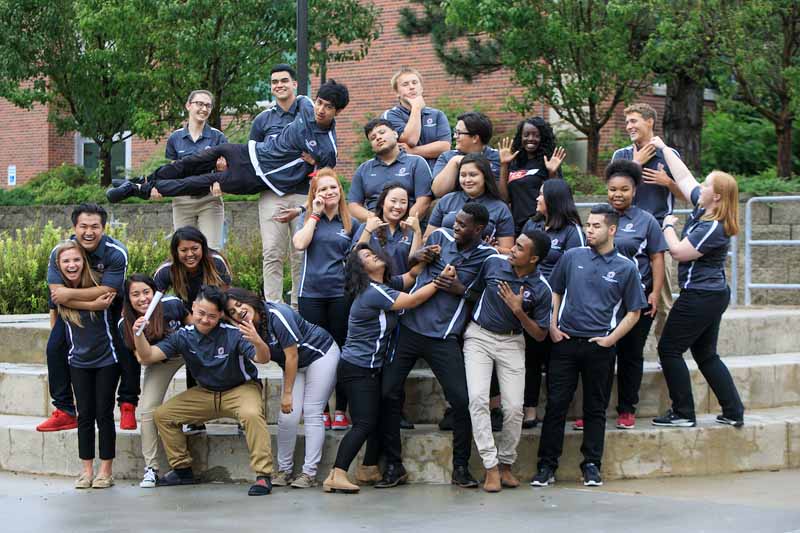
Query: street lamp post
pixel 302 47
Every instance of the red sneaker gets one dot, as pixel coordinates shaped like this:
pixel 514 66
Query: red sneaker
pixel 578 424
pixel 340 421
pixel 326 420
pixel 58 421
pixel 626 421
pixel 128 418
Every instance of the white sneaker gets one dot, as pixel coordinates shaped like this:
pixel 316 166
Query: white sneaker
pixel 150 478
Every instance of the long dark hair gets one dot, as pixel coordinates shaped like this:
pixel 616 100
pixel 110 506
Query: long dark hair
pixel 547 142
pixel 154 331
pixel 389 187
pixel 561 208
pixel 253 300
pixel 485 168
pixel 356 279
pixel 180 277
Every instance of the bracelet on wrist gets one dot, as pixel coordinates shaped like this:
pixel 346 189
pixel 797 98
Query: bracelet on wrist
pixel 668 226
pixel 314 216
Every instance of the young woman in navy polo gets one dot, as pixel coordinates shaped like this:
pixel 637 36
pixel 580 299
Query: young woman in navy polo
pixel 693 323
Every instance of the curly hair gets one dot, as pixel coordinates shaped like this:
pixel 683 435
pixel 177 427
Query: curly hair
pixel 546 145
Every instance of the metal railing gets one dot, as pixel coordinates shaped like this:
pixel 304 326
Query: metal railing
pixel 732 252
pixel 749 243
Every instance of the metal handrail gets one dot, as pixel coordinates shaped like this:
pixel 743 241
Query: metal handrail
pixel 749 243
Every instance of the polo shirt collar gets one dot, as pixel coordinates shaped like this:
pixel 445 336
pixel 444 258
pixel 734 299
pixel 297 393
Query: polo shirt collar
pixel 205 134
pixel 630 212
pixel 292 108
pixel 607 257
pixel 401 157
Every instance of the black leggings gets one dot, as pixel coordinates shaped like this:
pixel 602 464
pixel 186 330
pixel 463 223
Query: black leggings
pixel 630 366
pixel 94 395
pixel 330 314
pixel 363 387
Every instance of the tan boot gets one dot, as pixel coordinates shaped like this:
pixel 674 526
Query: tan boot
pixel 507 479
pixel 337 482
pixel 492 481
pixel 368 475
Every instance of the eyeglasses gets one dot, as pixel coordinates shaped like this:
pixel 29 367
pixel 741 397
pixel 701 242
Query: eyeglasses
pixel 457 133
pixel 203 105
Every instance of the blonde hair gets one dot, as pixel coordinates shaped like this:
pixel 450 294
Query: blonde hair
pixel 402 71
pixel 646 110
pixel 344 213
pixel 88 279
pixel 727 210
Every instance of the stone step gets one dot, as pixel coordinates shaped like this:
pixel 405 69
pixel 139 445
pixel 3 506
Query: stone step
pixel 770 440
pixel 764 381
pixel 744 331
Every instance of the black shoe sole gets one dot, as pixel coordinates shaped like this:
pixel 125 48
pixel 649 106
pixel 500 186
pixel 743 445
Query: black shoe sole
pixel 252 492
pixel 549 482
pixel 399 481
pixel 530 424
pixel 160 483
pixel 331 490
pixel 469 485
pixel 730 422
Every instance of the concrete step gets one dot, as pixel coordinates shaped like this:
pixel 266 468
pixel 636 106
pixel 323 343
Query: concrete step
pixel 770 440
pixel 744 331
pixel 764 381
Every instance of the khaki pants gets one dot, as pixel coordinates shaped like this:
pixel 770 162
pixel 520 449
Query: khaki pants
pixel 157 378
pixel 665 303
pixel 198 405
pixel 206 214
pixel 276 244
pixel 482 351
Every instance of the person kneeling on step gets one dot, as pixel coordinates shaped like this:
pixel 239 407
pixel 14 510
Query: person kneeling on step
pixel 221 358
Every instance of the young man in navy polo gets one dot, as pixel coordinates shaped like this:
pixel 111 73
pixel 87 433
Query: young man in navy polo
pixel 390 164
pixel 221 358
pixel 423 131
pixel 109 259
pixel 280 163
pixel 597 299
pixel 431 331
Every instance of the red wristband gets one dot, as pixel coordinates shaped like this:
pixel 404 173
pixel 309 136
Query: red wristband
pixel 315 217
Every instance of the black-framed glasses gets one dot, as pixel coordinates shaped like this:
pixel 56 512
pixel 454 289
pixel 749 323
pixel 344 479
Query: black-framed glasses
pixel 204 105
pixel 457 133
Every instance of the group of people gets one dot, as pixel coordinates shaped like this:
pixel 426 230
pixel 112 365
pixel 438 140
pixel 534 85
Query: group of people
pixel 474 259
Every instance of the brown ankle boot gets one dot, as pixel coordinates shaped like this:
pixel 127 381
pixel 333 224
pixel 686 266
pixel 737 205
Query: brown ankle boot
pixel 368 475
pixel 507 479
pixel 337 482
pixel 492 481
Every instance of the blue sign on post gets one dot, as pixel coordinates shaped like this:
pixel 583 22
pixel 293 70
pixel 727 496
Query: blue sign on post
pixel 12 175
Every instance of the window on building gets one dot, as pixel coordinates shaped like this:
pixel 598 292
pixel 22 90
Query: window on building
pixel 87 155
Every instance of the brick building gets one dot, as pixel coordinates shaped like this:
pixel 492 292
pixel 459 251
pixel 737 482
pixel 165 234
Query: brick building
pixel 30 143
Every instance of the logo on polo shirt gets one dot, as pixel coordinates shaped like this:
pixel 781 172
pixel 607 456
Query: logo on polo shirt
pixel 405 240
pixel 174 324
pixel 402 172
pixel 311 144
pixel 554 244
pixel 343 233
pixel 429 122
pixel 221 353
pixel 628 228
pixel 610 277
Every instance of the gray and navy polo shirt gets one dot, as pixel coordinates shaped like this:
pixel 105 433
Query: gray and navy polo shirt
pixel 91 345
pixel 180 143
pixel 654 199
pixel 434 125
pixel 286 328
pixel 561 240
pixel 322 272
pixel 269 123
pixel 707 272
pixel 638 237
pixel 174 313
pixel 370 326
pixel 163 278
pixel 411 171
pixel 500 222
pixel 490 153
pixel 396 246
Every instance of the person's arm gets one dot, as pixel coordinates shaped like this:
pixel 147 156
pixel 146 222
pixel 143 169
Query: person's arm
pixel 657 267
pixel 445 180
pixel 430 150
pixel 418 297
pixel 358 211
pixel 302 239
pixel 661 178
pixel 680 250
pixel 412 223
pixel 413 130
pixel 553 164
pixel 53 316
pixel 100 303
pixel 625 325
pixel 420 207
pixel 514 303
pixel 683 176
pixel 170 152
pixel 73 298
pixel 289 375
pixel 556 335
pixel 504 245
pixel 145 353
pixel 260 353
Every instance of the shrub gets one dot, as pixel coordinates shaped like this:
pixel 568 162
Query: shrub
pixel 737 143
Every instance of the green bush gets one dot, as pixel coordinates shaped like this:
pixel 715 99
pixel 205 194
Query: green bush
pixel 767 183
pixel 737 143
pixel 62 185
pixel 580 182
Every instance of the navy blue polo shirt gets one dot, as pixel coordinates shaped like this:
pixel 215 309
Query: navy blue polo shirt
pixel 596 291
pixel 180 143
pixel 163 278
pixel 219 361
pixel 277 160
pixel 434 125
pixel 490 153
pixel 269 123
pixel 655 199
pixel 322 272
pixel 91 345
pixel 500 222
pixel 370 326
pixel 708 237
pixel 396 246
pixel 286 328
pixel 411 171
pixel 561 240
pixel 638 237
pixel 492 313
pixel 445 314
pixel 174 313
pixel 524 182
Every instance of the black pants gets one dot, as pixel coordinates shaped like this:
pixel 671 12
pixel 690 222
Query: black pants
pixel 330 314
pixel 194 175
pixel 537 358
pixel 570 359
pixel 446 360
pixel 693 323
pixel 630 366
pixel 130 381
pixel 363 388
pixel 94 394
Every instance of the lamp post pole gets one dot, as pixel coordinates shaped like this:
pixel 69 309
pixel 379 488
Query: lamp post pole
pixel 302 47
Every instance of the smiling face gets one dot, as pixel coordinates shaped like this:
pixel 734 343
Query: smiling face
pixel 639 130
pixel 541 205
pixel 240 312
pixel 88 231
pixel 621 191
pixel 707 195
pixel 324 112
pixel 70 263
pixel 328 188
pixel 200 107
pixel 282 86
pixel 466 141
pixel 471 179
pixel 140 295
pixel 395 205
pixel 190 253
pixel 408 86
pixel 465 230
pixel 373 265
pixel 382 139
pixel 206 316
pixel 531 138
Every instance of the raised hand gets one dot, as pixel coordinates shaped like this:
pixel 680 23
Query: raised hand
pixel 249 332
pixel 216 190
pixel 317 205
pixel 656 177
pixel 412 223
pixel 555 161
pixel 374 223
pixel 658 142
pixel 506 157
pixel 221 165
pixel 645 154
pixel 308 158
pixel 426 254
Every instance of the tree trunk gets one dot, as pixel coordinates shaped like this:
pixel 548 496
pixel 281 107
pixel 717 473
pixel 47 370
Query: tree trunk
pixel 683 118
pixel 783 130
pixel 105 163
pixel 593 151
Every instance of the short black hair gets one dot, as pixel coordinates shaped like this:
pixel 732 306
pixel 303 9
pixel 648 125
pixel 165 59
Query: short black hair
pixel 283 67
pixel 541 242
pixel 213 294
pixel 89 209
pixel 335 93
pixel 477 124
pixel 374 123
pixel 625 168
pixel 609 213
pixel 478 212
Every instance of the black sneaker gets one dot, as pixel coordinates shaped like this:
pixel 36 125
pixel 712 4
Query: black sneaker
pixel 735 422
pixel 446 423
pixel 544 477
pixel 123 191
pixel 671 419
pixel 496 416
pixel 178 476
pixel 405 423
pixel 591 475
pixel 394 475
pixel 193 429
pixel 261 487
pixel 530 423
pixel 463 478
